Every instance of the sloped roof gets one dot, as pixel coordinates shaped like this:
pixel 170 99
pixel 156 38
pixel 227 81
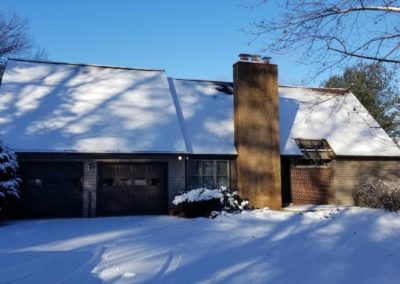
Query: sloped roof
pixel 335 116
pixel 308 113
pixel 207 112
pixel 54 107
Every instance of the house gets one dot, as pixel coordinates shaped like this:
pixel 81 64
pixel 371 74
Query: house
pixel 100 140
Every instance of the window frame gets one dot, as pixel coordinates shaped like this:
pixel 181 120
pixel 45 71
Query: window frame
pixel 201 176
pixel 315 153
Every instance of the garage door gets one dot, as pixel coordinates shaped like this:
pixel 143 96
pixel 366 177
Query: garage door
pixel 127 189
pixel 51 189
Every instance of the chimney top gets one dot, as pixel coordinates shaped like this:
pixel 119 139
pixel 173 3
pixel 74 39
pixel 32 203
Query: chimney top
pixel 244 56
pixel 266 59
pixel 255 58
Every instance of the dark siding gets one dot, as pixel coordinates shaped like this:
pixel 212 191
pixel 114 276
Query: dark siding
pixel 286 181
pixel 89 188
pixel 233 175
pixel 176 179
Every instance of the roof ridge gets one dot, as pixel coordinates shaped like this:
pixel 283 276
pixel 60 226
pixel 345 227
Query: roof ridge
pixel 201 80
pixel 319 89
pixel 84 64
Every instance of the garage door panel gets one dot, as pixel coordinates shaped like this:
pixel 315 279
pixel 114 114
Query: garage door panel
pixel 51 189
pixel 124 172
pixel 134 192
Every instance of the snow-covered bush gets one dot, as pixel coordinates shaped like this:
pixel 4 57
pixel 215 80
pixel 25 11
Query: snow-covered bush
pixel 232 202
pixel 9 180
pixel 378 194
pixel 206 202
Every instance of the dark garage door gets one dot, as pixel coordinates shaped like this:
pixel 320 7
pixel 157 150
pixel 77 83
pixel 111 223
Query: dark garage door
pixel 51 189
pixel 126 189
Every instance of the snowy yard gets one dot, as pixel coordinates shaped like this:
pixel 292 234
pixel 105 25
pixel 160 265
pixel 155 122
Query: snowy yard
pixel 355 246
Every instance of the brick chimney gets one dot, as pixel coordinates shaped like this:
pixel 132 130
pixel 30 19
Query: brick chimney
pixel 256 110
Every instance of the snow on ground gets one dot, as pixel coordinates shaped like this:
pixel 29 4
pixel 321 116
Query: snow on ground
pixel 331 246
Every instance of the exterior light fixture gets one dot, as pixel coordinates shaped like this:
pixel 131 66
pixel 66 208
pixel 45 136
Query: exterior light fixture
pixel 91 166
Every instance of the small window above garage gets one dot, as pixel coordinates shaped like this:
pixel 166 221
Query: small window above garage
pixel 316 152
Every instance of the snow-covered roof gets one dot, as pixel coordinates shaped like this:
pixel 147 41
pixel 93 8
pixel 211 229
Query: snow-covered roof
pixel 54 107
pixel 207 111
pixel 335 116
pixel 307 113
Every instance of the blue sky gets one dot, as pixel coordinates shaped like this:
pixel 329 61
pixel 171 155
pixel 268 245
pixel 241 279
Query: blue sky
pixel 187 38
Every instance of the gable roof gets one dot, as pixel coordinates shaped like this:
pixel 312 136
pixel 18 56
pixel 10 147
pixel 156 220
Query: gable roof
pixel 308 113
pixel 53 107
pixel 335 116
pixel 57 107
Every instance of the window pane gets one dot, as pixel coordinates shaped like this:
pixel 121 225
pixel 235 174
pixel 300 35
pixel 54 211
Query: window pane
pixel 155 182
pixel 222 168
pixel 194 168
pixel 108 182
pixel 140 182
pixel 193 182
pixel 208 182
pixel 222 181
pixel 208 168
pixel 125 181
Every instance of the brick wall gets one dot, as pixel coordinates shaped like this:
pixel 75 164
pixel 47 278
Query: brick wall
pixel 311 185
pixel 334 184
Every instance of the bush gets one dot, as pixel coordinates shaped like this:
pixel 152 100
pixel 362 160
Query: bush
pixel 378 194
pixel 232 202
pixel 202 202
pixel 9 182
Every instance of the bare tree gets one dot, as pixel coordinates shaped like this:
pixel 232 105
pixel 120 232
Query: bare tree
pixel 330 32
pixel 15 40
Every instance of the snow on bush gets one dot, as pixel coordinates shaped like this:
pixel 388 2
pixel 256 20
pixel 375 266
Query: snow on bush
pixel 9 180
pixel 232 201
pixel 208 202
pixel 378 194
pixel 199 194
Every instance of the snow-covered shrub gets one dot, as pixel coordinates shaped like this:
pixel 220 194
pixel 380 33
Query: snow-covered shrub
pixel 232 202
pixel 202 202
pixel 9 181
pixel 378 194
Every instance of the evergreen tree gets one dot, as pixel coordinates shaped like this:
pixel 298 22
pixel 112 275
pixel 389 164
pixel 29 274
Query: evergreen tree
pixel 375 87
pixel 9 180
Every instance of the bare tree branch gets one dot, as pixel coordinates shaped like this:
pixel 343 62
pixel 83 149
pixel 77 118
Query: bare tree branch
pixel 328 32
pixel 15 40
